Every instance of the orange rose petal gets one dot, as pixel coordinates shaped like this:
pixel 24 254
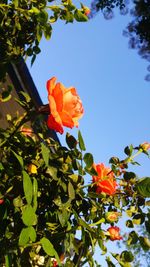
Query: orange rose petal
pixel 54 125
pixel 66 119
pixel 51 85
pixel 107 187
pixel 58 96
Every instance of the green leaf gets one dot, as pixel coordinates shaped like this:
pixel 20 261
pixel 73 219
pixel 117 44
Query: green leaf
pixel 24 237
pixel 47 31
pixel 71 141
pixel 63 217
pixel 145 243
pixel 91 171
pixel 80 16
pixel 132 238
pixel 32 233
pixel 45 153
pixel 52 171
pixel 143 187
pixel 35 193
pixel 71 191
pixel 128 150
pixel 127 256
pixel 85 225
pixel 109 262
pixel 81 141
pixel 26 96
pixel 19 158
pixel 27 187
pixel 28 216
pixel 129 224
pixel 88 159
pixel 27 234
pixel 49 249
pixel 38 33
pixel 33 59
pixel 129 175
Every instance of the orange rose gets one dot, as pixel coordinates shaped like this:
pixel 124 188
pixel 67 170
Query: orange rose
pixel 114 233
pixel 145 146
pixel 87 11
pixel 65 106
pixel 105 180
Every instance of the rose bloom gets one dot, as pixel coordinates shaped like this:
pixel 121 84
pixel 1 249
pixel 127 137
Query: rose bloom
pixel 145 146
pixel 114 233
pixel 65 106
pixel 105 180
pixel 112 216
pixel 87 11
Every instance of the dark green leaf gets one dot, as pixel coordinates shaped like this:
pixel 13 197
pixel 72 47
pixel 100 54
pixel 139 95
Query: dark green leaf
pixel 47 31
pixel 19 158
pixel 45 153
pixel 35 193
pixel 71 141
pixel 145 243
pixel 127 256
pixel 27 187
pixel 143 187
pixel 132 238
pixel 129 175
pixel 88 159
pixel 109 262
pixel 81 141
pixel 128 150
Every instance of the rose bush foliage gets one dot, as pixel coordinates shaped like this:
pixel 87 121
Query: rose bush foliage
pixel 49 214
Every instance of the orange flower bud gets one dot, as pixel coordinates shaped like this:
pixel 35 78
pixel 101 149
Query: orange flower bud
pixel 145 146
pixel 1 201
pixel 114 233
pixel 26 131
pixel 87 10
pixel 105 181
pixel 65 106
pixel 32 168
pixel 112 216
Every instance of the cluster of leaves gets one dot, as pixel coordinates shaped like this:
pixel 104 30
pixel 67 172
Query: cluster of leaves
pixel 23 23
pixel 46 208
pixel 107 7
pixel 138 30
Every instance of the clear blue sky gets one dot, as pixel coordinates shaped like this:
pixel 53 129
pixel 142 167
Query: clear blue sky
pixel 94 57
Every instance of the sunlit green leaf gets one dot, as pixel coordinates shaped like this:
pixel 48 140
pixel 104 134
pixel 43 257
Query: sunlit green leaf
pixel 80 16
pixel 71 191
pixel 49 249
pixel 28 216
